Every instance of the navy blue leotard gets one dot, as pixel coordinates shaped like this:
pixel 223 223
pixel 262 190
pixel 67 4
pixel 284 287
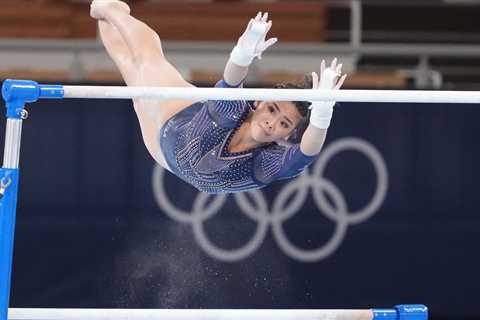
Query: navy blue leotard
pixel 195 145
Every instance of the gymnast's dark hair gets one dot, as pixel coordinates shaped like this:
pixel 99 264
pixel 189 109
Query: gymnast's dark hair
pixel 302 107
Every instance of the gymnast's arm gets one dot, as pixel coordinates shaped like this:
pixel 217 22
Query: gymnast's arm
pixel 234 74
pixel 312 140
pixel 250 45
pixel 321 111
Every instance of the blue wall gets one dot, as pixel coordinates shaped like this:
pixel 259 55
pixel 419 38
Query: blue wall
pixel 92 231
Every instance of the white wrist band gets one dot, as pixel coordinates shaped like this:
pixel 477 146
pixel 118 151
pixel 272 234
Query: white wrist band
pixel 321 114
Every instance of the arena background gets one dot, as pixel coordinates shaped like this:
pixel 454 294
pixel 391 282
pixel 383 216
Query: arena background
pixel 93 230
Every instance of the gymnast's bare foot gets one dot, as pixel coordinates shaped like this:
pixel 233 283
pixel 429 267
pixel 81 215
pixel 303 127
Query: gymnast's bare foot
pixel 99 8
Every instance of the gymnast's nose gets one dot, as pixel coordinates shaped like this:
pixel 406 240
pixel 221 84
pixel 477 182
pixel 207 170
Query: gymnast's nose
pixel 270 126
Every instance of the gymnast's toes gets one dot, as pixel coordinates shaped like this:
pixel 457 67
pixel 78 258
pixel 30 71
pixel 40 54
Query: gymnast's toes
pixel 99 8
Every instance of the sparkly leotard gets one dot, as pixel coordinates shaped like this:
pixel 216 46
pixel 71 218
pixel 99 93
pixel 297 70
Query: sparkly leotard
pixel 195 145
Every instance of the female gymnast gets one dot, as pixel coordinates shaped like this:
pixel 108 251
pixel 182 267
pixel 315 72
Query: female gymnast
pixel 217 146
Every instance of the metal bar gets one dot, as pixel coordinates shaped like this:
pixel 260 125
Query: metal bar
pixel 428 37
pixel 400 312
pixel 13 136
pixel 24 90
pixel 355 23
pixel 172 93
pixel 8 206
pixel 179 314
pixel 9 187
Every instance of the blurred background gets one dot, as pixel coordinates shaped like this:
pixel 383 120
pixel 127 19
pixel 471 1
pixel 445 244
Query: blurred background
pixel 393 215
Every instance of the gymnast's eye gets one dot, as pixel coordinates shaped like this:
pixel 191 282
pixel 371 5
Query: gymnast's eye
pixel 284 124
pixel 271 109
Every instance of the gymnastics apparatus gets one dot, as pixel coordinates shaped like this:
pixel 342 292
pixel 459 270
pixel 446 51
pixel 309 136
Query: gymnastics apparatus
pixel 18 92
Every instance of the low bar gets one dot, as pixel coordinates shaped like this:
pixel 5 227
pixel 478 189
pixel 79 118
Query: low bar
pixel 401 312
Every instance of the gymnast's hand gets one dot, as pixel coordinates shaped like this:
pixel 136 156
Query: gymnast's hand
pixel 330 79
pixel 99 8
pixel 252 42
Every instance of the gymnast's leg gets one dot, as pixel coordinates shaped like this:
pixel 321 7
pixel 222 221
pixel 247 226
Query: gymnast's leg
pixel 118 51
pixel 136 50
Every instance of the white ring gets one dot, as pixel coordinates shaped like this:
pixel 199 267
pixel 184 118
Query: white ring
pixel 295 192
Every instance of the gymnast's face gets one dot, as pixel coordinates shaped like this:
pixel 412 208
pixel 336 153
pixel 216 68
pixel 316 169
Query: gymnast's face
pixel 273 120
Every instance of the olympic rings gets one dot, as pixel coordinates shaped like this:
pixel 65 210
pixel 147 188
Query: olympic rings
pixel 296 191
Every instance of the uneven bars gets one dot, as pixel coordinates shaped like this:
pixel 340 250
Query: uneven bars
pixel 400 312
pixel 16 94
pixel 30 91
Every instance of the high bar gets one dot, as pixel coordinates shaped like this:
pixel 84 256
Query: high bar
pixel 31 91
pixel 400 312
pixel 172 93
